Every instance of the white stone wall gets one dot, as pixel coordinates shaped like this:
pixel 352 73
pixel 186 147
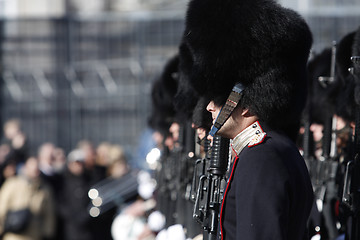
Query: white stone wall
pixel 324 7
pixel 31 8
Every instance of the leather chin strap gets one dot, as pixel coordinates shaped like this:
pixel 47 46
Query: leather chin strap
pixel 229 106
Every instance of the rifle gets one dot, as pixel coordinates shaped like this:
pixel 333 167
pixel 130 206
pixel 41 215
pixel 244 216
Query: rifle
pixel 112 192
pixel 175 177
pixel 329 139
pixel 351 193
pixel 162 176
pixel 186 159
pixel 323 170
pixel 211 188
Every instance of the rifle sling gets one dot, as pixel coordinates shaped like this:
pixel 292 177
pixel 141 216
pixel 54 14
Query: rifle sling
pixel 229 106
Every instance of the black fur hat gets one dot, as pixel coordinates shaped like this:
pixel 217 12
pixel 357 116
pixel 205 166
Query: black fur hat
pixel 187 100
pixel 356 52
pixel 320 104
pixel 343 54
pixel 256 42
pixel 201 117
pixel 349 92
pixel 345 104
pixel 174 100
pixel 162 94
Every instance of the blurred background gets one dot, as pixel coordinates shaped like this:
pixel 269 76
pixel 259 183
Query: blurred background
pixel 79 69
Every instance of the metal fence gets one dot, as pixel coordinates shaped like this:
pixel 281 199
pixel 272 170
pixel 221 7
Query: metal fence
pixel 89 77
pixel 327 27
pixel 84 77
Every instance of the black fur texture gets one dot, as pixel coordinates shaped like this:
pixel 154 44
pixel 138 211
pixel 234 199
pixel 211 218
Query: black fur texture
pixel 162 95
pixel 320 104
pixel 256 42
pixel 345 103
pixel 356 52
pixel 343 54
pixel 201 117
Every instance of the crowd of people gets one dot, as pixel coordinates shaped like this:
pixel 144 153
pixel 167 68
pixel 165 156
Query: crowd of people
pixel 54 186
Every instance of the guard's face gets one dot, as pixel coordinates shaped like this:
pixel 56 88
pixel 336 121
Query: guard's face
pixel 234 124
pixel 214 110
pixel 228 128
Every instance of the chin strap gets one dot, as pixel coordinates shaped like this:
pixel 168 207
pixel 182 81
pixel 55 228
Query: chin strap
pixel 229 106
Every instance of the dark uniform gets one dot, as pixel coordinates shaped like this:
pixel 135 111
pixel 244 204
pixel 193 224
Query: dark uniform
pixel 249 57
pixel 269 194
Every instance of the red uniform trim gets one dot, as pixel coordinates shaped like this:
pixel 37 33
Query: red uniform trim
pixel 260 126
pixel 233 150
pixel 226 190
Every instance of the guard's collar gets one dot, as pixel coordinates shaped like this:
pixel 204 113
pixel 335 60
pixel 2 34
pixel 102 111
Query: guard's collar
pixel 250 136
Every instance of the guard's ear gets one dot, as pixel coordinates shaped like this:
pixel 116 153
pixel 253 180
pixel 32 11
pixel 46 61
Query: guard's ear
pixel 246 113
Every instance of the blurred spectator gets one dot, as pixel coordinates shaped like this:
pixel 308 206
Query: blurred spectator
pixel 46 157
pixel 74 198
pixel 118 165
pixel 113 157
pixel 51 165
pixel 7 168
pixel 13 149
pixel 59 160
pixel 102 154
pixel 49 169
pixel 96 171
pixel 28 191
pixel 16 140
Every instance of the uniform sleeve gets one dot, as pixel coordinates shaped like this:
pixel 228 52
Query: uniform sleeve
pixel 262 199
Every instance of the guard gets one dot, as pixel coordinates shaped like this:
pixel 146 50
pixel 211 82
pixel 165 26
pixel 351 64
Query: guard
pixel 249 58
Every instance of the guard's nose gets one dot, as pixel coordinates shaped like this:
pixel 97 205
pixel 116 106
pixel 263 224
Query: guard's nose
pixel 210 107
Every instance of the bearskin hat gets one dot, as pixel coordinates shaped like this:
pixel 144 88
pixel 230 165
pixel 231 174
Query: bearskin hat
pixel 185 99
pixel 174 100
pixel 162 94
pixel 345 104
pixel 201 117
pixel 255 42
pixel 320 104
pixel 356 52
pixel 343 54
